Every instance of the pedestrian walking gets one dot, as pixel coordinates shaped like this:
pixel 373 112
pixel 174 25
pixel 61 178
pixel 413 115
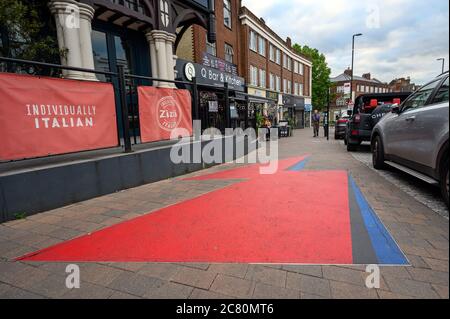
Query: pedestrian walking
pixel 316 122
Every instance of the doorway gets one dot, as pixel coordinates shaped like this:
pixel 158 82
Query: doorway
pixel 113 47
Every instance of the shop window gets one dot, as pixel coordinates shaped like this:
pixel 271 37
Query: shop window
pixel 227 13
pixel 101 57
pixel 211 47
pixel 229 53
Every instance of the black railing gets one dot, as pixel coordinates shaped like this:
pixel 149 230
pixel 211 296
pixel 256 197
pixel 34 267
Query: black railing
pixel 126 97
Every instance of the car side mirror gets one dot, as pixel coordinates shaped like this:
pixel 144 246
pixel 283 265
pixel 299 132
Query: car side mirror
pixel 349 112
pixel 396 109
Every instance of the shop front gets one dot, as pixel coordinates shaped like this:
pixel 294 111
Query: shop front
pixel 294 107
pixel 212 103
pixel 308 112
pixel 272 107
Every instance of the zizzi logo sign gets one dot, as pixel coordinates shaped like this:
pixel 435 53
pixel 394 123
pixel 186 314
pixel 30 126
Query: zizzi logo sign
pixel 59 116
pixel 169 113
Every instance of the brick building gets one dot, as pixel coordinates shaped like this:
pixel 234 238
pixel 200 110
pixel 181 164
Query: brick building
pixel 403 85
pixel 361 85
pixel 273 70
pixel 278 81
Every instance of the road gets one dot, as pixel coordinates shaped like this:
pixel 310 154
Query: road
pixel 423 192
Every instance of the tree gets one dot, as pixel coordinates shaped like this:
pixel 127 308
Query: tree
pixel 320 75
pixel 27 31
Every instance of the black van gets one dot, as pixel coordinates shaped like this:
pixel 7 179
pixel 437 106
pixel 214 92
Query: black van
pixel 368 110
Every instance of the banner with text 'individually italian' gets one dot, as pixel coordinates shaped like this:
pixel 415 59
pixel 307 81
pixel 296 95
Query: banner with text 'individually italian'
pixel 163 113
pixel 45 116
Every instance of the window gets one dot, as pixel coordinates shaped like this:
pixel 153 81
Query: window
pixel 420 98
pixel 285 57
pixel 300 89
pixel 229 53
pixel 289 87
pixel 278 84
pixel 442 94
pixel 289 65
pixel 261 46
pixel 272 82
pixel 262 78
pixel 300 71
pixel 284 85
pixel 278 56
pixel 296 88
pixel 227 13
pixel 271 53
pixel 253 41
pixel 210 47
pixel 253 76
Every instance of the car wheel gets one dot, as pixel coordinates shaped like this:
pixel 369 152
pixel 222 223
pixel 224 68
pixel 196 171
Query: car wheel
pixel 351 147
pixel 444 180
pixel 377 153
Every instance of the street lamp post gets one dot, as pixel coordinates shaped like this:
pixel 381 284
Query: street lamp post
pixel 443 63
pixel 353 60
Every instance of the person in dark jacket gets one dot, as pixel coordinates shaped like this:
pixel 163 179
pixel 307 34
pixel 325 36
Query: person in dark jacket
pixel 316 122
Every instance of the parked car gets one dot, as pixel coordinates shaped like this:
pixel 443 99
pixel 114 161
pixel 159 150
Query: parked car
pixel 414 137
pixel 360 125
pixel 341 124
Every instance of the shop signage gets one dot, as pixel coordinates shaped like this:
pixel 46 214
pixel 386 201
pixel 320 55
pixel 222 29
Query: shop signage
pixel 256 92
pixel 213 106
pixel 209 76
pixel 47 116
pixel 162 111
pixel 216 63
pixel 308 105
pixel 293 101
pixel 272 95
pixel 347 88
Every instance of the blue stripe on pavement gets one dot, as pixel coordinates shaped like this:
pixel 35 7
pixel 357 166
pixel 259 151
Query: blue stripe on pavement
pixel 386 249
pixel 299 166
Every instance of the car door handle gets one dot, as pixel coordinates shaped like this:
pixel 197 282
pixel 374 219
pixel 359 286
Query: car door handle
pixel 410 119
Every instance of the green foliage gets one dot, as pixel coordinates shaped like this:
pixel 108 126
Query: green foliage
pixel 259 120
pixel 320 75
pixel 20 216
pixel 28 31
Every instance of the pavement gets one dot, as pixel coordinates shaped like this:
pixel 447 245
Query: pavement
pixel 420 232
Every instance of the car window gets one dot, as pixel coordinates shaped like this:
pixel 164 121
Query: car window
pixel 420 98
pixel 442 94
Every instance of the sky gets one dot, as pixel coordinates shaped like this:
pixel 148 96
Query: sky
pixel 401 38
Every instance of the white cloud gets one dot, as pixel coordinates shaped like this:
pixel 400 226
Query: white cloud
pixel 411 36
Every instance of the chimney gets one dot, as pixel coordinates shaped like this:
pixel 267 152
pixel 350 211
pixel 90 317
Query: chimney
pixel 348 72
pixel 366 76
pixel 262 21
pixel 289 42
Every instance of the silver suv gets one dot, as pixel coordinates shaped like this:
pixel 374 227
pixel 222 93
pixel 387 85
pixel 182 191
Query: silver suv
pixel 414 136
